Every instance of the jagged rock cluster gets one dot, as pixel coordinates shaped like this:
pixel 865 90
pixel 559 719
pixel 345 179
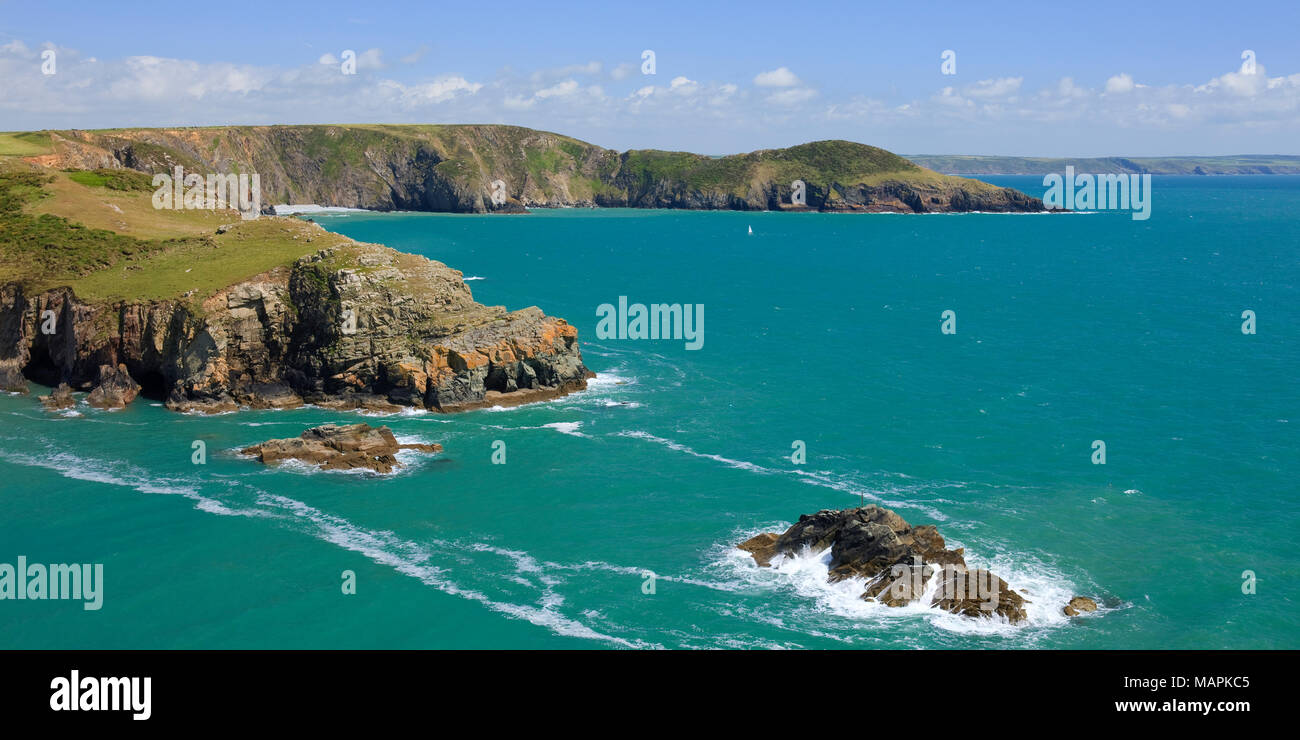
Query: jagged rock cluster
pixel 335 447
pixel 895 558
pixel 353 326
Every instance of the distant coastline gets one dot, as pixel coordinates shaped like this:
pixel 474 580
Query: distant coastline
pixel 1241 164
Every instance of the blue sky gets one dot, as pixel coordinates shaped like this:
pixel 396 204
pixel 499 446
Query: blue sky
pixel 1101 78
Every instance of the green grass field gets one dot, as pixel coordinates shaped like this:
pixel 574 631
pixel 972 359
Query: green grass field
pixel 25 144
pixel 43 246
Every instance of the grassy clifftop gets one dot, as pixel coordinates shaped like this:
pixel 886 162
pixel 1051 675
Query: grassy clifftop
pixel 98 233
pixel 458 167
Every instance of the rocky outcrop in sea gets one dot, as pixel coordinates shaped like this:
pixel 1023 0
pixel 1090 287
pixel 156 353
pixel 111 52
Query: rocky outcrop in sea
pixel 335 447
pixel 895 560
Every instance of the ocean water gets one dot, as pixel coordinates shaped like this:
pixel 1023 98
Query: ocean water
pixel 819 328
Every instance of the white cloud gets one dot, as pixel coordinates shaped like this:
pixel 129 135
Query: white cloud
pixel 1119 84
pixel 568 87
pixel 996 115
pixel 1239 83
pixel 779 77
pixel 683 86
pixel 792 97
pixel 439 90
pixel 998 88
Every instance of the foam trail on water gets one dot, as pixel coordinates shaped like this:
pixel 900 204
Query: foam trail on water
pixel 811 478
pixel 410 559
pixel 85 469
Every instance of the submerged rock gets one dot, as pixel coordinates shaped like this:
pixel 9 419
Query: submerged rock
pixel 336 447
pixel 896 559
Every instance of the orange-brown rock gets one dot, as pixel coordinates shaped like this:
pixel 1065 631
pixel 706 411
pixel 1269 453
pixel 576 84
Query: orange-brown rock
pixel 1078 605
pixel 334 447
pixel 761 547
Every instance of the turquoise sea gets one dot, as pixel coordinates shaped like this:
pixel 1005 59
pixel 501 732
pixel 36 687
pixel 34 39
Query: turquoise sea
pixel 821 328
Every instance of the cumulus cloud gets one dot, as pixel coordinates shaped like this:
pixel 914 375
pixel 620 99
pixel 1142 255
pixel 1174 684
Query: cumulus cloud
pixel 1119 84
pixel 997 88
pixel 792 96
pixel 683 86
pixel 568 87
pixel 439 90
pixel 1241 83
pixel 779 77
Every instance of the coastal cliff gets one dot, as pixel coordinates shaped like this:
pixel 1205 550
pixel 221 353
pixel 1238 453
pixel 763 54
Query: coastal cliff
pixel 453 168
pixel 271 313
pixel 360 326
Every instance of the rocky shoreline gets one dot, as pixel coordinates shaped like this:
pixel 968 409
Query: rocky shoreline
pixel 897 562
pixel 358 326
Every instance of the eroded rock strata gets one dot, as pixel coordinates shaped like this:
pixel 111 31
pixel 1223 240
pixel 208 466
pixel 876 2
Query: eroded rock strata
pixel 340 447
pixel 896 560
pixel 353 326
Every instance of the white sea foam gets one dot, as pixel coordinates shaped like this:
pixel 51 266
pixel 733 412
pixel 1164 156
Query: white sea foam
pixel 823 479
pixel 72 466
pixel 624 404
pixel 412 559
pixel 566 427
pixel 610 378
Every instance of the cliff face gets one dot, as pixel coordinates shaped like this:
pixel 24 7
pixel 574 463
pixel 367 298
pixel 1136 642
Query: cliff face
pixel 350 326
pixel 453 168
